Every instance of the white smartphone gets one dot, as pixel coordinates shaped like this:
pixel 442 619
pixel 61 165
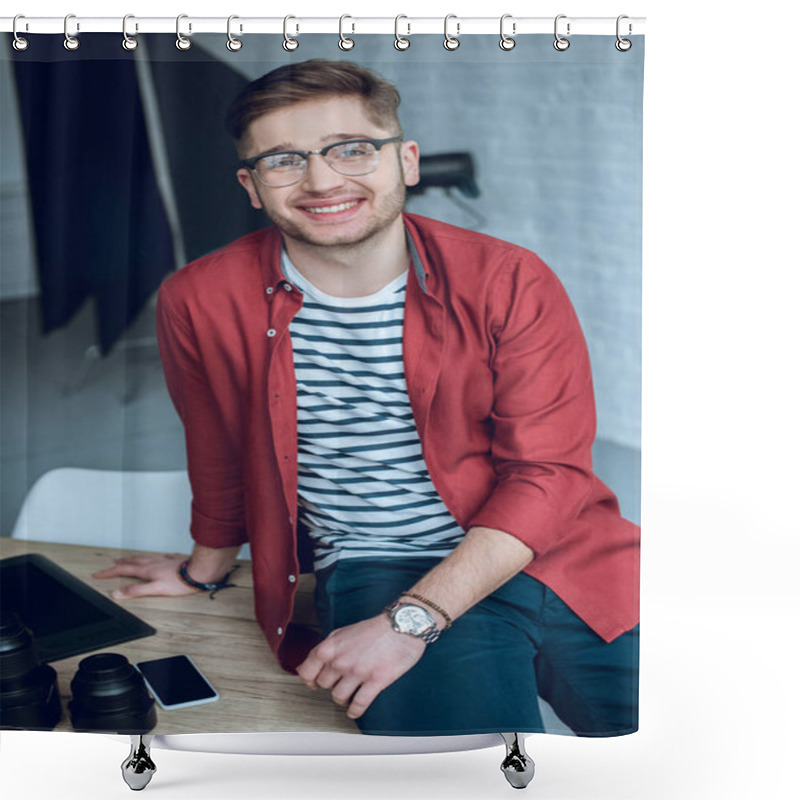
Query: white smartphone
pixel 176 682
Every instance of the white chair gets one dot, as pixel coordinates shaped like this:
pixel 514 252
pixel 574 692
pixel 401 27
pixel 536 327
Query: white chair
pixel 148 511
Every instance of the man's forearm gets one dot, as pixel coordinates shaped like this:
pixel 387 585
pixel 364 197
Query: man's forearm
pixel 359 661
pixel 484 560
pixel 211 564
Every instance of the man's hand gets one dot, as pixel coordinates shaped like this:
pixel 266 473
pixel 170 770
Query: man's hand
pixel 360 661
pixel 159 573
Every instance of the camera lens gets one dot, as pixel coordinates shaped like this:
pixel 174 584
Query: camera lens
pixel 109 694
pixel 29 697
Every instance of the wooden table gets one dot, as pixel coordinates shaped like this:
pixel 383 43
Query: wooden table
pixel 223 639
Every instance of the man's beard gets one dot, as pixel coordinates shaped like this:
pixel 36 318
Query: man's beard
pixel 384 214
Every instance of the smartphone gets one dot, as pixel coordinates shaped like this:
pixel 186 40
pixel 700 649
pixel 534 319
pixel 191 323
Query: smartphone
pixel 176 682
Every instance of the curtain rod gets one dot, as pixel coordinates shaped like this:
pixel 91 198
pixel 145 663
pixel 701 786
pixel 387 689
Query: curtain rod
pixel 350 25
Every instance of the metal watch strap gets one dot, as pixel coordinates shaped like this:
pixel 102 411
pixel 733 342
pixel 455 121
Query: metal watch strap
pixel 430 637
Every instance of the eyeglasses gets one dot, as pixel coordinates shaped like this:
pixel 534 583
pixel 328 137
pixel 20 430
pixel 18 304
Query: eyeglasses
pixel 353 157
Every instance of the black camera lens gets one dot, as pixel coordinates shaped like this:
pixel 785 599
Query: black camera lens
pixel 109 694
pixel 29 697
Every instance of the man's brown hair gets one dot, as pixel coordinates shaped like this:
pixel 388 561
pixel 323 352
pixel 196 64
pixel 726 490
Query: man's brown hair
pixel 312 80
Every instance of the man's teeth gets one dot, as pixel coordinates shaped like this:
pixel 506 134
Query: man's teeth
pixel 332 209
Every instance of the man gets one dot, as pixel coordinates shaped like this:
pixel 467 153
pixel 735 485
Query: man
pixel 418 398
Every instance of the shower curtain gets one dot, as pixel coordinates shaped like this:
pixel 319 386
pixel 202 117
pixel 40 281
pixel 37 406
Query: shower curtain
pixel 352 436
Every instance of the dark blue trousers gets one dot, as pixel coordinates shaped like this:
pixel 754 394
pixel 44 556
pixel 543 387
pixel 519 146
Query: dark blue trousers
pixel 484 674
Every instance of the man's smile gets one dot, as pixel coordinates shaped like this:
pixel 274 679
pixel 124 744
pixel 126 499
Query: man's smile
pixel 331 210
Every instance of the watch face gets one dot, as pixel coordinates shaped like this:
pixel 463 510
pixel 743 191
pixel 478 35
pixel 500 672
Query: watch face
pixel 413 619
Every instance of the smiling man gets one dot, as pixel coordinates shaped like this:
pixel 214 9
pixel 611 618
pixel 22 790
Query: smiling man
pixel 416 399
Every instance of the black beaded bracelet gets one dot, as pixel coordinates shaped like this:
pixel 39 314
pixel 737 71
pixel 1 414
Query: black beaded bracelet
pixel 183 571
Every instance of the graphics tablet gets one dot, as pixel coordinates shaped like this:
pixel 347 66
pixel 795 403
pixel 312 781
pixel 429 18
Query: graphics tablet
pixel 66 616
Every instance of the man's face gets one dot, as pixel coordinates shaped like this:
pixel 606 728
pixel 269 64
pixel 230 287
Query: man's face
pixel 371 202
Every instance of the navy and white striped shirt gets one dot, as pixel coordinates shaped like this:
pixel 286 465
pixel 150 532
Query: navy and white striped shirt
pixel 363 485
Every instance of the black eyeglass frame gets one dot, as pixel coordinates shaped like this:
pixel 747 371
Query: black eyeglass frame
pixel 250 163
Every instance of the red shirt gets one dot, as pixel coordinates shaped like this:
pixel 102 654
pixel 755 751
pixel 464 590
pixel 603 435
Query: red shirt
pixel 500 385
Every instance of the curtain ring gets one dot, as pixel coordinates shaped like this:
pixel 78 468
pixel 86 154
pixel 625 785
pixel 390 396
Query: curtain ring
pixel 20 43
pixel 233 44
pixel 400 42
pixel 70 42
pixel 506 42
pixel 182 43
pixel 128 42
pixel 344 42
pixel 451 42
pixel 289 43
pixel 623 45
pixel 561 44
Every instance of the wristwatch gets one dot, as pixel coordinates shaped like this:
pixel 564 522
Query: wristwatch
pixel 413 620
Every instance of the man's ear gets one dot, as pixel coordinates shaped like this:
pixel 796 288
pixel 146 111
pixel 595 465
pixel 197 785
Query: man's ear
pixel 245 178
pixel 409 159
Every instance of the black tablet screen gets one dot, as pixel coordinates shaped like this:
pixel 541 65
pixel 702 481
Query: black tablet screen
pixel 65 615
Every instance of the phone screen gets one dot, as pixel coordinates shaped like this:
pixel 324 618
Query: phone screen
pixel 175 681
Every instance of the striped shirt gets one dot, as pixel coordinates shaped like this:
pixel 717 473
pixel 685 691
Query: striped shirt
pixel 364 489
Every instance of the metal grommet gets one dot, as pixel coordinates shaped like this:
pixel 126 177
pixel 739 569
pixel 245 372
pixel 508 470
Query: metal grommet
pixel 344 42
pixel 506 42
pixel 20 43
pixel 70 42
pixel 289 43
pixel 271 332
pixel 451 42
pixel 623 45
pixel 233 44
pixel 128 42
pixel 400 42
pixel 561 44
pixel 182 43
